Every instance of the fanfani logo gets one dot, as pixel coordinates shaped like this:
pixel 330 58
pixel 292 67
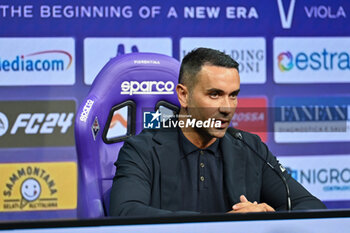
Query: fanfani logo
pixel 151 120
pixel 31 62
pixel 285 61
pixel 147 88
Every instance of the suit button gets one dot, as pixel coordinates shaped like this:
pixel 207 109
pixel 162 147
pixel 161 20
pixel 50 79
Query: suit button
pixel 202 178
pixel 201 152
pixel 201 164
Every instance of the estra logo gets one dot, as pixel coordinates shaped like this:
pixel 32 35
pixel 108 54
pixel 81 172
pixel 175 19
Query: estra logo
pixel 285 61
pixel 311 60
pixel 37 61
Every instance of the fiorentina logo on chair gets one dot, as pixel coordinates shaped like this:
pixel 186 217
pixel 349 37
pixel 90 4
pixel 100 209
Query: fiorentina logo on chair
pixel 95 128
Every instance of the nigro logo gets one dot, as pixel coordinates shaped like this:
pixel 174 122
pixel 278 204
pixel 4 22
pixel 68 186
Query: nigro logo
pixel 326 176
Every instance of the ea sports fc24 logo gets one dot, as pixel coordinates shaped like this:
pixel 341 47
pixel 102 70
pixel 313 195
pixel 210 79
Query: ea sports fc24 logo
pixel 316 60
pixel 36 62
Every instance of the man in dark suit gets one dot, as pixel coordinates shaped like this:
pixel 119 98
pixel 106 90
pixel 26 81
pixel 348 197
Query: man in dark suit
pixel 200 169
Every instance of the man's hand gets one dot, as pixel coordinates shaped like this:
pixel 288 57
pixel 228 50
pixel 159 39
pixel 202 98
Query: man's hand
pixel 246 206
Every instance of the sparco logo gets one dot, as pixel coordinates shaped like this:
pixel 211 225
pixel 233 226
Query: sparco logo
pixel 86 110
pixel 36 123
pixel 147 88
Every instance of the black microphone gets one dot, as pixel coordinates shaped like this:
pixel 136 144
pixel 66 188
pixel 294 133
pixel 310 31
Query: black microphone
pixel 237 135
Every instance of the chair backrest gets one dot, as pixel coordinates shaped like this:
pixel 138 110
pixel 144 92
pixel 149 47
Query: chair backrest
pixel 128 87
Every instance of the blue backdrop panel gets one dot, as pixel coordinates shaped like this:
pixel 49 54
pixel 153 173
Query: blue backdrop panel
pixel 50 52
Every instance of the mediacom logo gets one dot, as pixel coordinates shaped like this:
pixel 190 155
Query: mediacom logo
pixel 38 186
pixel 311 60
pixel 98 51
pixel 37 61
pixel 36 123
pixel 327 176
pixel 312 119
pixel 31 62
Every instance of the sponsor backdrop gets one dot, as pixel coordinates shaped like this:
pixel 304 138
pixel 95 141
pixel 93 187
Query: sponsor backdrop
pixel 294 60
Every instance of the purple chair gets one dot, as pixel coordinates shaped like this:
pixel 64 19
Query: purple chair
pixel 127 90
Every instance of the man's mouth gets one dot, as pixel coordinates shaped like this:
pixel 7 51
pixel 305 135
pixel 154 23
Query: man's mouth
pixel 224 123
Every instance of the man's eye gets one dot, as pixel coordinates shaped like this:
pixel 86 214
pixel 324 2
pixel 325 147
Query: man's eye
pixel 214 95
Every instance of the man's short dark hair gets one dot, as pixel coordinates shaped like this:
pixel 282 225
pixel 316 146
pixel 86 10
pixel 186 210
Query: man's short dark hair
pixel 192 63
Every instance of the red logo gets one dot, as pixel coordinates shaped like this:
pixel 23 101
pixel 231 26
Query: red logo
pixel 251 116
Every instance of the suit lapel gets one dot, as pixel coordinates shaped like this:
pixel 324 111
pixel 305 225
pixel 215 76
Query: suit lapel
pixel 234 168
pixel 168 153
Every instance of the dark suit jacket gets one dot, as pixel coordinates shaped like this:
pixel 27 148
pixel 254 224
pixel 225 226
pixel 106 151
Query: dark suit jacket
pixel 147 181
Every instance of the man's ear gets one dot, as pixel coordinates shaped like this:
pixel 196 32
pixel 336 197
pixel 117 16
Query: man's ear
pixel 182 95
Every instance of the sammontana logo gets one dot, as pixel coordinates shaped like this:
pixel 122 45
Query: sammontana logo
pixel 38 186
pixel 31 181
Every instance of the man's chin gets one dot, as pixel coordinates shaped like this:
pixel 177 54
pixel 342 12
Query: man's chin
pixel 218 132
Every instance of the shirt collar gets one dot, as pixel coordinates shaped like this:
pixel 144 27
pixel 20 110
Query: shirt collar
pixel 188 147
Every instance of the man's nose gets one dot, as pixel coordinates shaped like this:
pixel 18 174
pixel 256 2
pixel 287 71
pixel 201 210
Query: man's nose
pixel 226 106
